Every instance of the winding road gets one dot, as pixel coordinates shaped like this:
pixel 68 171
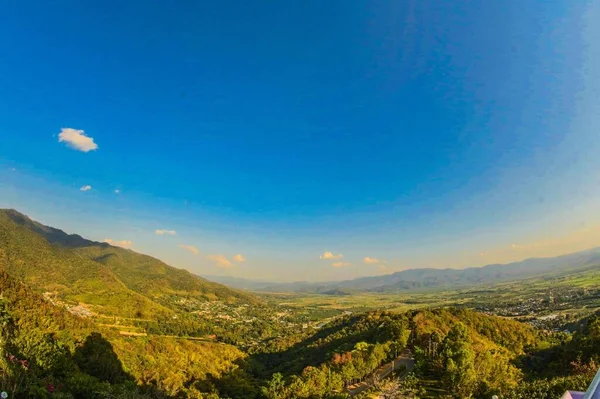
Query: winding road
pixel 405 359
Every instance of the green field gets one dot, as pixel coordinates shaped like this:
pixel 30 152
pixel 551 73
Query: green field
pixel 568 296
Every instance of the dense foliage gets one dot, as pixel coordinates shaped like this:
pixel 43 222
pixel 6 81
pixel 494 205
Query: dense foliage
pixel 44 349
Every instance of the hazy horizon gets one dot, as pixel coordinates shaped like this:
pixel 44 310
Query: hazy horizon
pixel 400 270
pixel 266 280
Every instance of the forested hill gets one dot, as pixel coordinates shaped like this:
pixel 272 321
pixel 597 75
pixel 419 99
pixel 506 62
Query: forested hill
pixel 116 280
pixel 46 352
pixel 458 353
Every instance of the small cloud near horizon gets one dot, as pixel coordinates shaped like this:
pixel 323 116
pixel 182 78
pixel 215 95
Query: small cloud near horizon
pixel 340 264
pixel 161 232
pixel 87 187
pixel 239 258
pixel 330 256
pixel 372 261
pixel 190 248
pixel 123 244
pixel 77 139
pixel 220 261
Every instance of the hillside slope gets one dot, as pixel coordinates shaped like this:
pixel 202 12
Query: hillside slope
pixel 350 348
pixel 113 280
pixel 44 348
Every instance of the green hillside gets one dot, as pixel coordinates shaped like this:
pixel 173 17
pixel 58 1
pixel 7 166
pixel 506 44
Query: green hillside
pixel 150 276
pixel 351 348
pixel 44 349
pixel 111 280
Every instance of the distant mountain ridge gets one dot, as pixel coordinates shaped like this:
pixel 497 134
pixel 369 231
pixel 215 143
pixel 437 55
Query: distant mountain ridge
pixel 112 279
pixel 429 278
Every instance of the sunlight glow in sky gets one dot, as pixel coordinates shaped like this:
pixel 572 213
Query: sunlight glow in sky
pixel 306 140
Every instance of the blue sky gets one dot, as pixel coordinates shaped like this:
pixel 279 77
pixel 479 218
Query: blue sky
pixel 397 134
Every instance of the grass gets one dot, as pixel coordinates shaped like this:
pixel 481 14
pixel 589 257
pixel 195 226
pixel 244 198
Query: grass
pixel 332 304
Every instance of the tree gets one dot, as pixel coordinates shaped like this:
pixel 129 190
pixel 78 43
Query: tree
pixel 348 372
pixel 361 346
pixel 434 342
pixel 276 388
pixel 459 361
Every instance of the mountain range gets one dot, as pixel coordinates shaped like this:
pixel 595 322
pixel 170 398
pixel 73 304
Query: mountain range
pixel 429 278
pixel 123 282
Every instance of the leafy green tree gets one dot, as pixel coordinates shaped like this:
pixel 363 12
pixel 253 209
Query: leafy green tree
pixel 276 388
pixel 459 361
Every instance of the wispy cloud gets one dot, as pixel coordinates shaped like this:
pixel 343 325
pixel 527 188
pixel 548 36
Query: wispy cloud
pixel 13 169
pixel 190 248
pixel 76 139
pixel 340 264
pixel 161 232
pixel 122 244
pixel 220 261
pixel 372 261
pixel 117 191
pixel 239 258
pixel 87 187
pixel 330 256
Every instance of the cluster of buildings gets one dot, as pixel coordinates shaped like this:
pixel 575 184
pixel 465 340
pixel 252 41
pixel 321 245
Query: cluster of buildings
pixel 78 310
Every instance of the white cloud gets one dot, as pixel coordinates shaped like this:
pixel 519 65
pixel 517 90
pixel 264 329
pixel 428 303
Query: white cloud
pixel 331 256
pixel 122 244
pixel 239 258
pixel 220 261
pixel 340 264
pixel 13 169
pixel 76 139
pixel 161 232
pixel 87 187
pixel 190 248
pixel 371 261
pixel 117 191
